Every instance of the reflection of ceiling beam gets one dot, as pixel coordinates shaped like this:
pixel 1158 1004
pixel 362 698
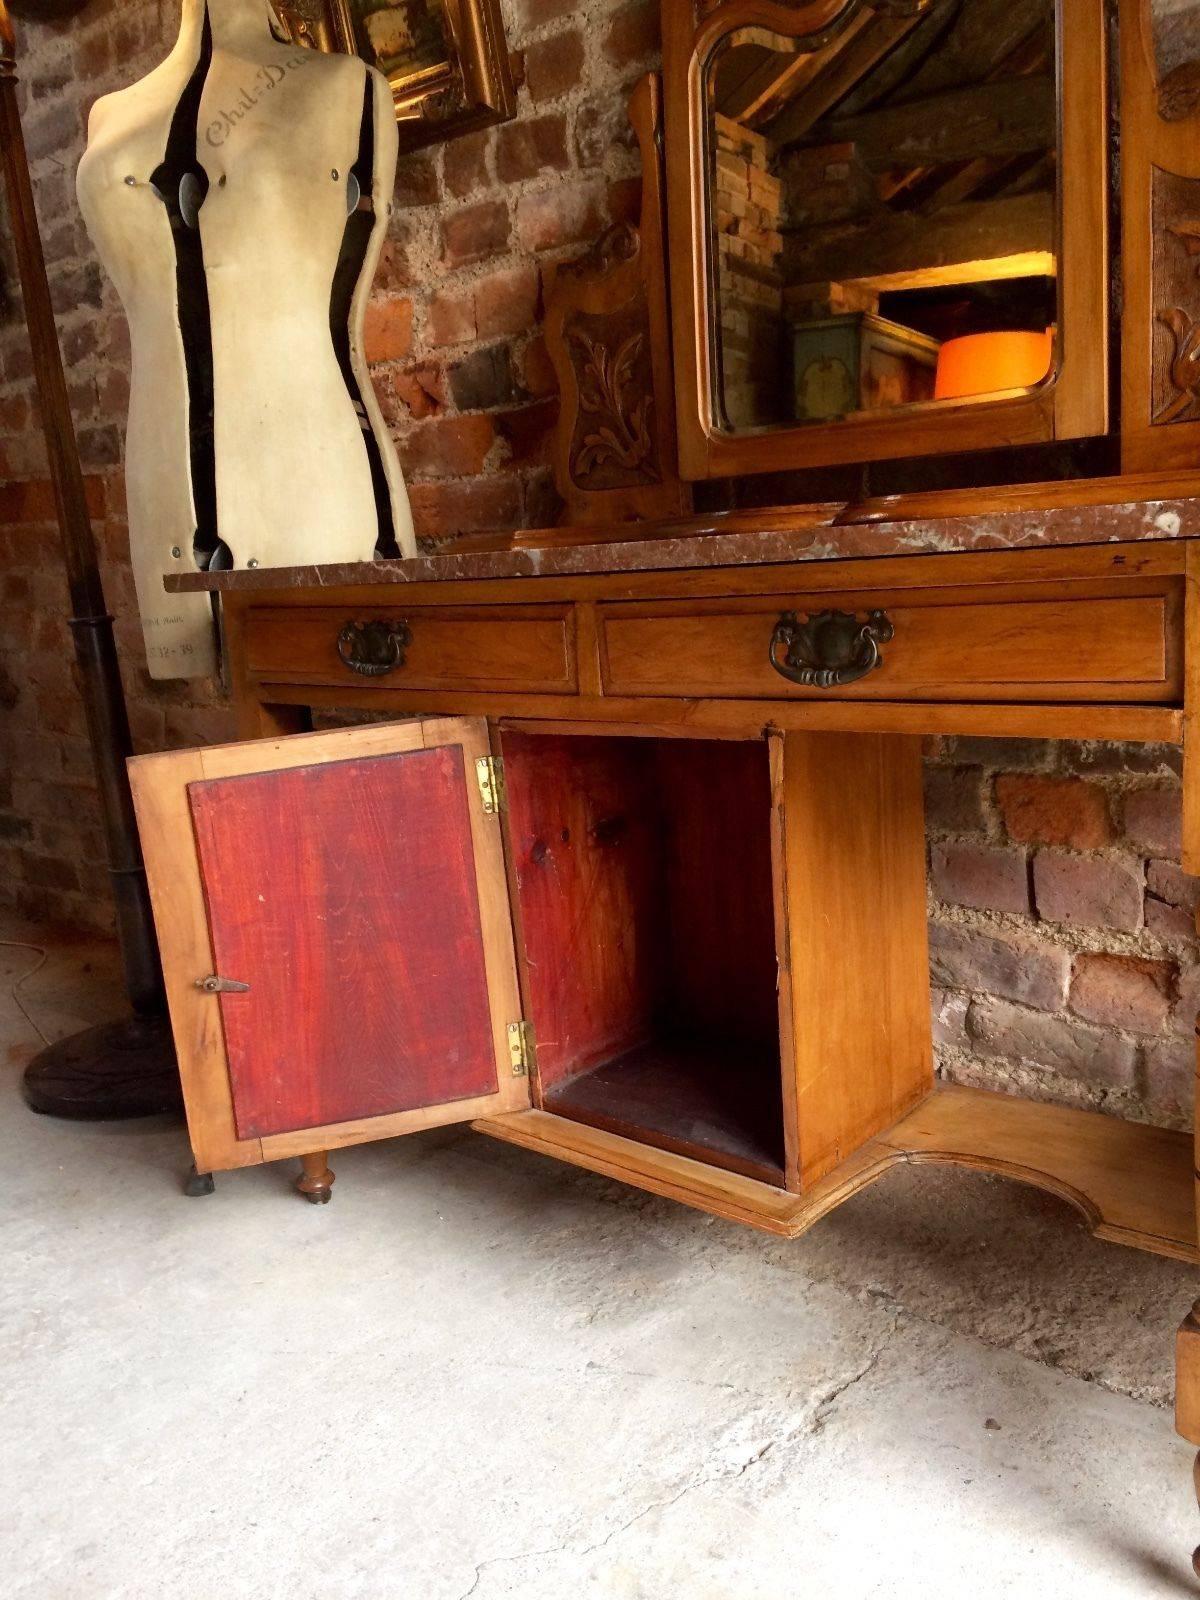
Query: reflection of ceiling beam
pixel 780 76
pixel 961 244
pixel 1006 118
pixel 998 269
pixel 809 106
pixel 987 32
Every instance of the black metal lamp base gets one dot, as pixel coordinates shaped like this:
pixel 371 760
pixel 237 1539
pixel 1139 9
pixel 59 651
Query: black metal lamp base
pixel 120 1069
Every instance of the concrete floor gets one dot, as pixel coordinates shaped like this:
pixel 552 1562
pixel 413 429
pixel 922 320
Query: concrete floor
pixel 480 1374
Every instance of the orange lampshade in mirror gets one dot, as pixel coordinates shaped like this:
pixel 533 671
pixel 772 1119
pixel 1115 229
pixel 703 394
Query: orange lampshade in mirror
pixel 985 363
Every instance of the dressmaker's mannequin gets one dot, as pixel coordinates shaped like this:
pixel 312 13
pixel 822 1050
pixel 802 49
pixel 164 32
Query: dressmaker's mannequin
pixel 221 194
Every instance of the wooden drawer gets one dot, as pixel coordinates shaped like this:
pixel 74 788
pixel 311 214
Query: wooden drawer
pixel 944 645
pixel 527 648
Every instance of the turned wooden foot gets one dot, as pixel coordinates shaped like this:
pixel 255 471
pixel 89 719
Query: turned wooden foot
pixel 1196 1482
pixel 315 1182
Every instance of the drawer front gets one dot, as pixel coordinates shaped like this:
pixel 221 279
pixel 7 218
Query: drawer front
pixel 925 647
pixel 523 648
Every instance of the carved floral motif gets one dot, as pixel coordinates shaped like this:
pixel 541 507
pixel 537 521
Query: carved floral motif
pixel 1176 374
pixel 1184 370
pixel 619 432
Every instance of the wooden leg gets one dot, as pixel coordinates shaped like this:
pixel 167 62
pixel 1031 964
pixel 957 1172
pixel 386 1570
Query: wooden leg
pixel 315 1182
pixel 1187 1394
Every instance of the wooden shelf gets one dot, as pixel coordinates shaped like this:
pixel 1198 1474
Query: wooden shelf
pixel 1131 1183
pixel 713 1101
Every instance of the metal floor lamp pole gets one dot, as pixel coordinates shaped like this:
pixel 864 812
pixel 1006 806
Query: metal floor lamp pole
pixel 125 1068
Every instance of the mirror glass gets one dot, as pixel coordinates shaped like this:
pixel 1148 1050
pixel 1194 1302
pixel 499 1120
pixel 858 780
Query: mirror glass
pixel 1175 25
pixel 882 203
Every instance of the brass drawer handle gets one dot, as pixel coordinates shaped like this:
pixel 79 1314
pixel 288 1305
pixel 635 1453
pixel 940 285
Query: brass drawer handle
pixel 829 648
pixel 373 648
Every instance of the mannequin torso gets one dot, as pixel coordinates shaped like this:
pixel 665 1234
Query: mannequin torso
pixel 222 192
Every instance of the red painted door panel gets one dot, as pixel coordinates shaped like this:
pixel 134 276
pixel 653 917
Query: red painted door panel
pixel 345 895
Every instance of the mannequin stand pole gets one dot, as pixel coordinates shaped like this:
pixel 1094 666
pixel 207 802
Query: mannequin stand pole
pixel 127 1068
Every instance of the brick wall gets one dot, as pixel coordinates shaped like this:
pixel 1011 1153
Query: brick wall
pixel 1062 932
pixel 1064 954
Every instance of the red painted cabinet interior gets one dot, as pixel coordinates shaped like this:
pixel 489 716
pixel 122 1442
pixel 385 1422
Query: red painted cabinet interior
pixel 345 895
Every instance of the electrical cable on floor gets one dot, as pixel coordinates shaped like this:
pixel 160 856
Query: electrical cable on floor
pixel 43 957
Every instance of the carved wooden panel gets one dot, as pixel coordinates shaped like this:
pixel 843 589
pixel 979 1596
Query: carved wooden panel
pixel 1160 235
pixel 607 331
pixel 614 444
pixel 1175 371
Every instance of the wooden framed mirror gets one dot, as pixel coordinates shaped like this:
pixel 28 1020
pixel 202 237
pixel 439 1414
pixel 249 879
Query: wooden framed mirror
pixel 888 228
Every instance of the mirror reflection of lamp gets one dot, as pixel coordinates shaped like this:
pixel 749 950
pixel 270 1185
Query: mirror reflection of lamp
pixel 986 363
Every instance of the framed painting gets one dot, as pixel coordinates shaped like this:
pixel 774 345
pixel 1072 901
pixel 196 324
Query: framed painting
pixel 446 60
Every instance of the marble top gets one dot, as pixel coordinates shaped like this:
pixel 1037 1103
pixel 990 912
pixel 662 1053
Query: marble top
pixel 739 538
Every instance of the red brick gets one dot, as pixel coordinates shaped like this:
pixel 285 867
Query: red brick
pixel 1017 969
pixel 485 379
pixel 474 233
pixel 634 33
pixel 1187 1005
pixel 1122 991
pixel 1090 891
pixel 554 66
pixel 507 301
pixel 464 164
pixel 395 269
pixel 1075 1049
pixel 1166 880
pixel 1039 810
pixel 444 511
pixel 565 214
pixel 388 330
pixel 531 149
pixel 449 447
pixel 954 799
pixel 416 181
pixel 1169 1069
pixel 980 875
pixel 1154 821
pixel 420 392
pixel 451 317
pixel 1168 922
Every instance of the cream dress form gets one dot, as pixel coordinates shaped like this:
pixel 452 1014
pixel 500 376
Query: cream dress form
pixel 222 194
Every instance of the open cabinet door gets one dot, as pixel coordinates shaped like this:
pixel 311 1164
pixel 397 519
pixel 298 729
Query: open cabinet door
pixel 336 936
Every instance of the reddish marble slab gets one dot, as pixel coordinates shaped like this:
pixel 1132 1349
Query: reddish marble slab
pixel 741 538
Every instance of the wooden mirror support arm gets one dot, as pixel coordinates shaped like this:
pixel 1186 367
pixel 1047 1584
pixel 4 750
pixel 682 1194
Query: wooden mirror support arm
pixel 126 1068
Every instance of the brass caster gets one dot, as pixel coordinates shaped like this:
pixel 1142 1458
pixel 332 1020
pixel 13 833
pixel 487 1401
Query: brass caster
pixel 198 1183
pixel 317 1197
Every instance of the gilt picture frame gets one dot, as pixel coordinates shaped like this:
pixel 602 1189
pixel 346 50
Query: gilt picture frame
pixel 446 60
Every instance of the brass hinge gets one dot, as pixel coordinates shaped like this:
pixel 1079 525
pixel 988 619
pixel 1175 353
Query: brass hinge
pixel 522 1048
pixel 489 773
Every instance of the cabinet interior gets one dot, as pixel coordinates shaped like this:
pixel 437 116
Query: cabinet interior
pixel 646 909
